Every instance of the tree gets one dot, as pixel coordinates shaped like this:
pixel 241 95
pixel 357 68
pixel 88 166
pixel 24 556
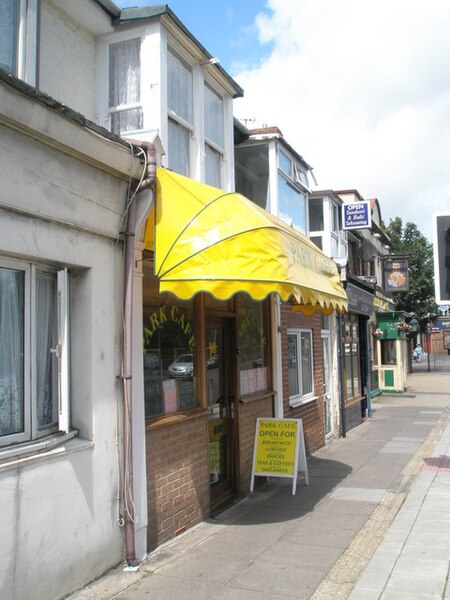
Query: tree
pixel 408 240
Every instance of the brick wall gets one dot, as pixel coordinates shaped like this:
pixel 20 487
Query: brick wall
pixel 248 414
pixel 311 413
pixel 177 478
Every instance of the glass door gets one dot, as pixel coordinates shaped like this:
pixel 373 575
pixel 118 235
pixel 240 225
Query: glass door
pixel 221 410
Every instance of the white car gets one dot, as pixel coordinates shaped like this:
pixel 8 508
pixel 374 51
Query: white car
pixel 182 366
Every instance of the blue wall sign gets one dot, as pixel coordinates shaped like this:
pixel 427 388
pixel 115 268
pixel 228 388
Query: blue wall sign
pixel 356 215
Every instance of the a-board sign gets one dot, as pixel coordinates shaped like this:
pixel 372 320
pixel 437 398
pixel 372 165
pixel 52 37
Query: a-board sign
pixel 356 215
pixel 279 450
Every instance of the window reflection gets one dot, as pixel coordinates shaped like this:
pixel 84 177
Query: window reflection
pixel 253 347
pixel 169 352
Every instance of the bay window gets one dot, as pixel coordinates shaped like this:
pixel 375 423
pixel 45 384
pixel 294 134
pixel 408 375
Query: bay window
pixel 33 352
pixel 300 366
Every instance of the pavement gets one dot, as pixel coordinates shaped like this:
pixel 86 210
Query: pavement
pixel 373 523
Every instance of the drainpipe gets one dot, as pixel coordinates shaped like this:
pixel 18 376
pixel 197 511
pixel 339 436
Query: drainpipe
pixel 341 377
pixel 368 381
pixel 278 368
pixel 148 180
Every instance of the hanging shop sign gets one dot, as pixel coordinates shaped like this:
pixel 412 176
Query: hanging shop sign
pixel 279 450
pixel 395 275
pixel 359 301
pixel 442 323
pixel 356 215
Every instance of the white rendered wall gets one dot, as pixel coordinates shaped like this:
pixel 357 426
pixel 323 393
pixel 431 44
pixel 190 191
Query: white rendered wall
pixel 59 512
pixel 67 60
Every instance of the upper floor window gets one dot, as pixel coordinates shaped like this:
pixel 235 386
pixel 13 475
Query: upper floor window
pixel 292 169
pixel 125 110
pixel 33 348
pixel 214 137
pixel 252 173
pixel 213 166
pixel 180 118
pixel 179 92
pixel 214 126
pixel 316 221
pixel 354 263
pixel 335 219
pixel 285 163
pixel 291 204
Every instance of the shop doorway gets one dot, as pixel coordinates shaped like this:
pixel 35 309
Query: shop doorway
pixel 221 398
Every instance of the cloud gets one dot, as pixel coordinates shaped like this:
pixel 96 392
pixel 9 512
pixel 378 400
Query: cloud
pixel 361 90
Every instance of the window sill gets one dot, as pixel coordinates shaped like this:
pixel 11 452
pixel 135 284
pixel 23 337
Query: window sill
pixel 175 418
pixel 296 402
pixel 353 400
pixel 256 396
pixel 43 449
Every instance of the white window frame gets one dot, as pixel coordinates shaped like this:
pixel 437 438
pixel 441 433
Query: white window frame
pixel 301 398
pixel 30 432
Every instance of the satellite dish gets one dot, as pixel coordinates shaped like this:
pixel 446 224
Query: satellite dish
pixel 368 251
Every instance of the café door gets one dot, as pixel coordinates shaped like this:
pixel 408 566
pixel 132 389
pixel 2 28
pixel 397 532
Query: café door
pixel 220 389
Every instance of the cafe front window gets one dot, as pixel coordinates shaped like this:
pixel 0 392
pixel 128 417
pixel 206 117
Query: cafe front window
pixel 252 345
pixel 169 351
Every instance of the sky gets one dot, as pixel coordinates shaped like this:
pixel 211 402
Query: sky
pixel 360 89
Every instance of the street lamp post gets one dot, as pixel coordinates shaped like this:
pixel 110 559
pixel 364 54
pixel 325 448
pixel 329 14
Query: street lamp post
pixel 414 323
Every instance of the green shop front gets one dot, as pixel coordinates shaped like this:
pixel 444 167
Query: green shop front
pixel 392 351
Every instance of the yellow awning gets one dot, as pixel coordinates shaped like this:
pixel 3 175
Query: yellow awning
pixel 208 240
